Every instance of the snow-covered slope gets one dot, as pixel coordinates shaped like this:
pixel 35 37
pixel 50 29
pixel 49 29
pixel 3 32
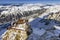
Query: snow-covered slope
pixel 43 19
pixel 47 25
pixel 15 12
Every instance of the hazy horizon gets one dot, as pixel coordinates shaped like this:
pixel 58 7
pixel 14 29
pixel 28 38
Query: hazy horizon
pixel 30 1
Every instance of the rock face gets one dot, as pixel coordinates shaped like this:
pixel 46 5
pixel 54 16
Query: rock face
pixel 15 35
pixel 55 16
pixel 17 32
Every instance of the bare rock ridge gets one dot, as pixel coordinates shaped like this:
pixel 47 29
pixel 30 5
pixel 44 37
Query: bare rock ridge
pixel 18 31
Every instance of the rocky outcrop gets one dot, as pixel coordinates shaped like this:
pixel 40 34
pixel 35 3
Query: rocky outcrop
pixel 55 16
pixel 19 31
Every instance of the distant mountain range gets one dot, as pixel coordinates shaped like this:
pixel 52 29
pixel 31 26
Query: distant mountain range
pixel 17 4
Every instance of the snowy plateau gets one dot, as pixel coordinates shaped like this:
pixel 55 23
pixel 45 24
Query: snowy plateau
pixel 44 19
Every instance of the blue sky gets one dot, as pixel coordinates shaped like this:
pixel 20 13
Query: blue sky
pixel 30 1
